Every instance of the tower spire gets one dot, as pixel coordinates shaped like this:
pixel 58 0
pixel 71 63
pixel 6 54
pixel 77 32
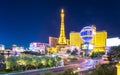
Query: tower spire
pixel 62 38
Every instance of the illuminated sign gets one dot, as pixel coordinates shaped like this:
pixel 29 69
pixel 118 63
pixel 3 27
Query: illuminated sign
pixel 113 42
pixel 87 33
pixel 87 46
pixel 91 46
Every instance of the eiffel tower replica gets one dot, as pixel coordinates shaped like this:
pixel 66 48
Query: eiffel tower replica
pixel 62 42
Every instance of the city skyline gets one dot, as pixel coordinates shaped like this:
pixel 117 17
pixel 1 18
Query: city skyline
pixel 23 22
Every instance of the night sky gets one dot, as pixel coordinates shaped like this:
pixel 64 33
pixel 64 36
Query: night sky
pixel 25 21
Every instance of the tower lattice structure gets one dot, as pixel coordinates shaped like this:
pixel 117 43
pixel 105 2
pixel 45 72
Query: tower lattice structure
pixel 62 38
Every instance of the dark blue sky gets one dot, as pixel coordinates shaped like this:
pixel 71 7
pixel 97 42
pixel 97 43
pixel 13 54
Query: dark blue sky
pixel 25 21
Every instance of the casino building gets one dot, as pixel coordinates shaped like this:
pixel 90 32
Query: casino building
pixel 97 43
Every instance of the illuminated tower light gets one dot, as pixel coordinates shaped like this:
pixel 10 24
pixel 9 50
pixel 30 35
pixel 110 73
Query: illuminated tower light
pixel 62 38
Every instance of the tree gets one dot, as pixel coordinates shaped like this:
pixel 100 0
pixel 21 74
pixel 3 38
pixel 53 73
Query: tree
pixel 49 73
pixel 114 53
pixel 104 69
pixel 35 61
pixel 97 54
pixel 68 51
pixel 69 72
pixel 12 63
pixel 75 51
pixel 2 62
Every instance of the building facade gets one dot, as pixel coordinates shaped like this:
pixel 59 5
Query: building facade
pixel 75 39
pixel 2 47
pixel 38 47
pixel 98 41
pixel 53 41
